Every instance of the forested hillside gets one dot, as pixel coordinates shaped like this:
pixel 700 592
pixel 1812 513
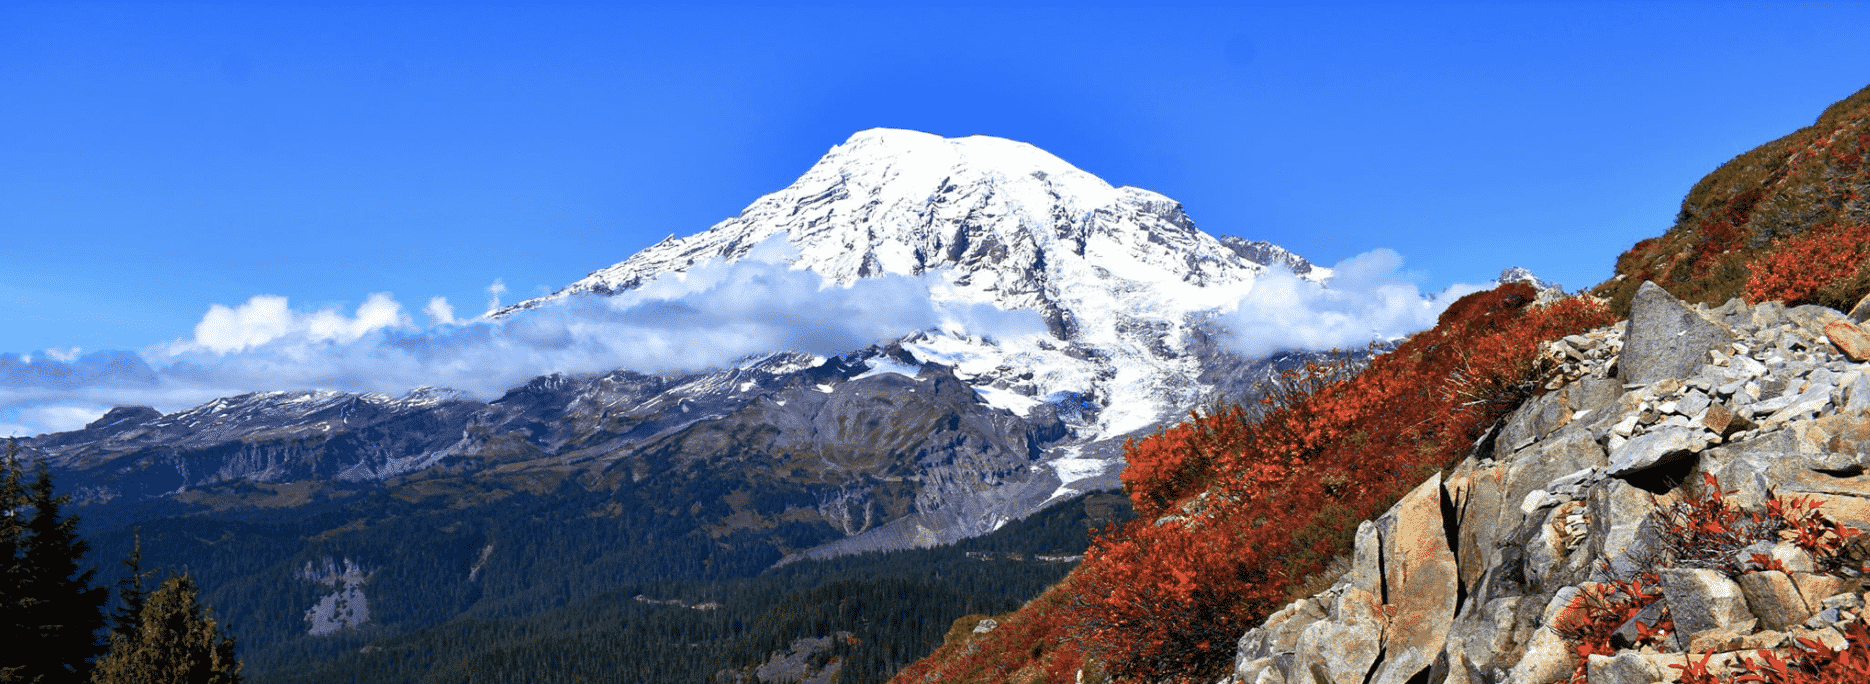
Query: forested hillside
pixel 895 606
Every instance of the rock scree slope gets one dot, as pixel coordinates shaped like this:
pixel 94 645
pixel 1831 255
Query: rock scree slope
pixel 1476 576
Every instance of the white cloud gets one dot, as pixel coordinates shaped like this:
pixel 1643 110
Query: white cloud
pixel 262 319
pixel 711 316
pixel 495 290
pixel 1368 298
pixel 439 310
pixel 266 318
pixel 68 354
pixel 64 417
pixel 23 421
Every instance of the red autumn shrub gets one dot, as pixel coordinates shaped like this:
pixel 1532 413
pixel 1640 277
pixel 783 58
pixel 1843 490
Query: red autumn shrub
pixel 1800 270
pixel 1170 596
pixel 1598 611
pixel 1031 646
pixel 1708 531
pixel 1811 662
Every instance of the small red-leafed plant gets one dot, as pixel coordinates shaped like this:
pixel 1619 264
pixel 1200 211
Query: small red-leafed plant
pixel 1811 529
pixel 1599 610
pixel 1711 531
pixel 1810 662
pixel 1696 672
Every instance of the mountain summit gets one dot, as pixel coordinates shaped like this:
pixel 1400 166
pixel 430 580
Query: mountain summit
pixel 1120 276
pixel 891 201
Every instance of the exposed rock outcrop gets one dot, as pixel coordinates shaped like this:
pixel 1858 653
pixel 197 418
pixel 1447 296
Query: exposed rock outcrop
pixel 1472 577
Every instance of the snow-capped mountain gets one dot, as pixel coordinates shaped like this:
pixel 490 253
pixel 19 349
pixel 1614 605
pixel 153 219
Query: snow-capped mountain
pixel 1120 275
pixel 945 433
pixel 570 486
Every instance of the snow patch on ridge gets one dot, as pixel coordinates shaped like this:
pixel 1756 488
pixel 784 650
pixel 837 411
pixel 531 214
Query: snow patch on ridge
pixel 881 365
pixel 1019 404
pixel 1074 467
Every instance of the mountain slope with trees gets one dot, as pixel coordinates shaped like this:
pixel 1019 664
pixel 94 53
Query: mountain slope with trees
pixel 1049 315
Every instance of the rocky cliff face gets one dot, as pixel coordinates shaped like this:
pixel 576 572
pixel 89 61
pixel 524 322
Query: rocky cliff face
pixel 1485 574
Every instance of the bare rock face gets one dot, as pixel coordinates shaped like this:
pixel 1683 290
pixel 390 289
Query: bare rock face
pixel 1624 668
pixel 1654 449
pixel 1849 339
pixel 1420 581
pixel 1472 577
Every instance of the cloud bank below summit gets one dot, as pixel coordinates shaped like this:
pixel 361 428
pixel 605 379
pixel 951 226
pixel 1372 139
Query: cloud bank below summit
pixel 709 317
pixel 1368 298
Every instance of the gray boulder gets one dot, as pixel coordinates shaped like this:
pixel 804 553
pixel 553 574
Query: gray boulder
pixel 1664 339
pixel 1704 601
pixel 1654 448
pixel 1774 599
pixel 1628 667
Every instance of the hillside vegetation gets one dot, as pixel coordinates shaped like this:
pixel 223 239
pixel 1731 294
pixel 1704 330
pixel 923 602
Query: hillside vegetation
pixel 1785 221
pixel 1243 509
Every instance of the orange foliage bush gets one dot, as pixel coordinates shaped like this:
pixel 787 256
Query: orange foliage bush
pixel 1801 270
pixel 1031 646
pixel 1707 531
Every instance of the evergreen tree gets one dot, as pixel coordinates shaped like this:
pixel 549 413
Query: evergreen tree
pixel 56 612
pixel 174 644
pixel 131 593
pixel 12 569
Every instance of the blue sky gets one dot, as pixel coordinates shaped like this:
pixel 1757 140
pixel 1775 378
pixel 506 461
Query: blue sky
pixel 157 160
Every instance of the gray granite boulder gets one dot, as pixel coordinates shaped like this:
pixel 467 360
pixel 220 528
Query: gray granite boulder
pixel 1704 601
pixel 1774 599
pixel 1652 449
pixel 1664 339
